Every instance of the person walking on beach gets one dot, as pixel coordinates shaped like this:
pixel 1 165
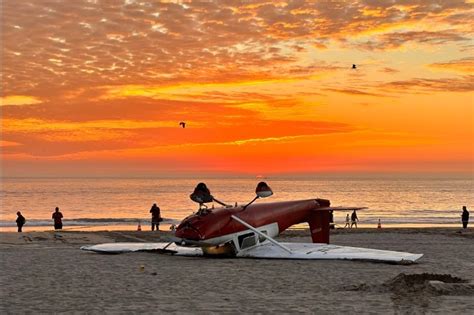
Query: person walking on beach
pixel 57 217
pixel 155 217
pixel 354 219
pixel 348 220
pixel 465 217
pixel 20 221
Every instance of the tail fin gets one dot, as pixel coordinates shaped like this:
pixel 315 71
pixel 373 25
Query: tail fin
pixel 319 226
pixel 319 220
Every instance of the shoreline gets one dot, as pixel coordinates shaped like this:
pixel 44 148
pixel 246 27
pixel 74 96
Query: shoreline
pixel 289 233
pixel 166 227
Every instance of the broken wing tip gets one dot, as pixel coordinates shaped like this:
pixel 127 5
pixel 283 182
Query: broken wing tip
pixel 413 259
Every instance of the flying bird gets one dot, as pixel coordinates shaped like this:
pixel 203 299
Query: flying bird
pixel 182 124
pixel 354 66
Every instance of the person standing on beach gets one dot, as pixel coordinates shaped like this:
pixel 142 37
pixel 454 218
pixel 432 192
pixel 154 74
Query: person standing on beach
pixel 155 217
pixel 354 219
pixel 57 217
pixel 465 217
pixel 20 221
pixel 348 220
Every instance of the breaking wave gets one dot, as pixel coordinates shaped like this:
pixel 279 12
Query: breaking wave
pixel 88 222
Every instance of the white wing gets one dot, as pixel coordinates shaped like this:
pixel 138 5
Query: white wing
pixel 119 248
pixel 325 251
pixel 269 250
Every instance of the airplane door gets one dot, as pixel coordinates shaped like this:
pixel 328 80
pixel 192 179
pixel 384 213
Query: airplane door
pixel 247 240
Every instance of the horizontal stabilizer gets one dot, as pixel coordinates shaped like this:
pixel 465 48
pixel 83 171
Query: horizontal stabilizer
pixel 339 208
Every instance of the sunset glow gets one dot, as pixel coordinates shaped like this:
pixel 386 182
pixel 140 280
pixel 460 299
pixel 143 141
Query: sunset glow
pixel 100 87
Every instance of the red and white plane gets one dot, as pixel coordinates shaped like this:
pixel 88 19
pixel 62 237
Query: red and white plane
pixel 249 231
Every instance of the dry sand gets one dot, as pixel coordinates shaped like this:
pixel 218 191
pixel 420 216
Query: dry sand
pixel 45 272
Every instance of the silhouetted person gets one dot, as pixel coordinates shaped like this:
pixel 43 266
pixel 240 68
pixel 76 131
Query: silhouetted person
pixel 465 217
pixel 155 217
pixel 354 67
pixel 354 219
pixel 57 217
pixel 331 219
pixel 20 221
pixel 348 221
pixel 182 124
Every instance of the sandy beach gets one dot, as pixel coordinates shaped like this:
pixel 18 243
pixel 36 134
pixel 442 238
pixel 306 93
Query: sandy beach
pixel 45 272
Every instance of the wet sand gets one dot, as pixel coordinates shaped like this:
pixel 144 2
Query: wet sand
pixel 45 272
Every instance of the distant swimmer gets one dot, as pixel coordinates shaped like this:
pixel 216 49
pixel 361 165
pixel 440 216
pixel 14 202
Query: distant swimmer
pixel 465 217
pixel 57 217
pixel 354 66
pixel 182 124
pixel 20 221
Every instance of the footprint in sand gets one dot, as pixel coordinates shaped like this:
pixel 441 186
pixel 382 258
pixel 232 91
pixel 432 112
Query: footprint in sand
pixel 58 237
pixel 27 239
pixel 40 238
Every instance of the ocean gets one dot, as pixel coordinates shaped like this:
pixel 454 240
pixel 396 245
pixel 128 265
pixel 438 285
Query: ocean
pixel 120 203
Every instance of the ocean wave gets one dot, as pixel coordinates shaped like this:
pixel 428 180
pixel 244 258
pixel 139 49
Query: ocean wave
pixel 410 220
pixel 365 219
pixel 88 222
pixel 403 212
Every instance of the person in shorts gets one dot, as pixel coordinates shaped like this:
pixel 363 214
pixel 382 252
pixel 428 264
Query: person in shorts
pixel 58 219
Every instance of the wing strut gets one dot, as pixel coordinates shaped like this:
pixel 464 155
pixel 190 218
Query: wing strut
pixel 260 233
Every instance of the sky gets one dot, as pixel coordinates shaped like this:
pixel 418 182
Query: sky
pixel 99 88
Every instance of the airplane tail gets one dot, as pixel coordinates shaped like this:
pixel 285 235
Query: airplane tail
pixel 319 220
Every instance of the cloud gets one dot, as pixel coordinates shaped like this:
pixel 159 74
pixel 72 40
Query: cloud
pixel 354 92
pixel 389 70
pixel 46 137
pixel 462 84
pixel 18 100
pixel 397 39
pixel 119 75
pixel 51 47
pixel 464 65
pixel 131 108
pixel 4 143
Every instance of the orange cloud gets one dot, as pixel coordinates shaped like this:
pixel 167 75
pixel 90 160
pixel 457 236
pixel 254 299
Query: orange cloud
pixel 463 84
pixel 18 100
pixel 128 43
pixel 354 92
pixel 260 85
pixel 464 65
pixel 8 144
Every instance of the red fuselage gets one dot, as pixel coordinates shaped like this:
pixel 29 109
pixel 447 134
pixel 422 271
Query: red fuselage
pixel 216 223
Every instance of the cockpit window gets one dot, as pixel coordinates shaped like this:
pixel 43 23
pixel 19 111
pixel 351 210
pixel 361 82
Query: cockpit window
pixel 247 240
